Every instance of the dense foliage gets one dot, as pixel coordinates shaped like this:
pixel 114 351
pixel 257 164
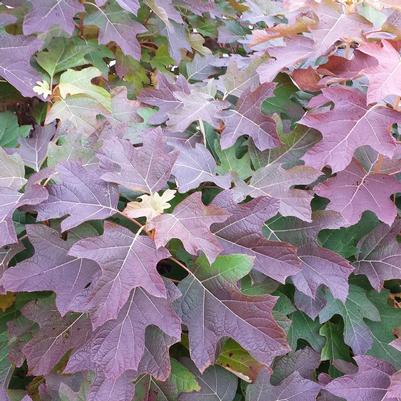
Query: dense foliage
pixel 198 200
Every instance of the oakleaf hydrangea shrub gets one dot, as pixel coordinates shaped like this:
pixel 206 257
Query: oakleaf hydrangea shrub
pixel 199 200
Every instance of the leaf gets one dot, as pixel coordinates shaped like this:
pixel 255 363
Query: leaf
pixel 378 255
pixel 334 348
pixel 190 222
pixel 216 384
pixel 12 171
pixel 275 182
pixel 295 50
pixel 334 25
pixel 76 114
pixel 383 76
pixel 303 361
pixel 51 269
pixel 33 150
pixel 15 67
pixel 212 308
pixel 240 233
pixel 79 82
pixel 302 327
pixel 247 118
pixel 238 361
pixel 10 131
pixel 322 267
pixel 194 106
pixel 105 352
pixel 372 381
pixel 82 195
pixel 293 387
pixel 195 166
pixel 360 191
pixel 357 307
pixel 163 97
pixel 56 335
pixel 46 14
pixel 359 124
pixel 127 261
pixel 115 25
pixel 145 169
pixel 383 331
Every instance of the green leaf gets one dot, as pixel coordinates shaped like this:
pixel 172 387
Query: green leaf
pixel 304 328
pixel 62 54
pixel 238 361
pixel 357 308
pixel 231 160
pixel 344 240
pixel 383 331
pixel 10 131
pixel 334 347
pixel 80 83
pixel 182 379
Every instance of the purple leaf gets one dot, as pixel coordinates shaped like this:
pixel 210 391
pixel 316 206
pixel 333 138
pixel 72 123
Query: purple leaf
pixel 195 166
pixel 55 337
pixel 216 384
pixel 322 267
pixel 127 261
pixel 163 97
pixel 294 388
pixel 379 255
pixel 46 14
pixel 82 195
pixel 106 352
pixel 248 119
pixel 355 190
pixel 115 25
pixel 213 308
pixel 190 222
pixel 144 169
pixel 275 182
pixel 241 233
pixel 15 54
pixel 33 150
pixel 348 126
pixel 6 254
pixel 372 382
pixel 51 269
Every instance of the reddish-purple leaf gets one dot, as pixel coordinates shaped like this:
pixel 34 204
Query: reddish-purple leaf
pixel 348 126
pixel 294 388
pixel 51 269
pixel 322 267
pixel 372 382
pixel 384 77
pixel 355 190
pixel 241 233
pixel 212 307
pixel 119 345
pixel 195 166
pixel 248 119
pixel 275 182
pixel 55 337
pixel 46 14
pixel 145 169
pixel 82 195
pixel 379 255
pixel 127 261
pixel 163 97
pixel 190 222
